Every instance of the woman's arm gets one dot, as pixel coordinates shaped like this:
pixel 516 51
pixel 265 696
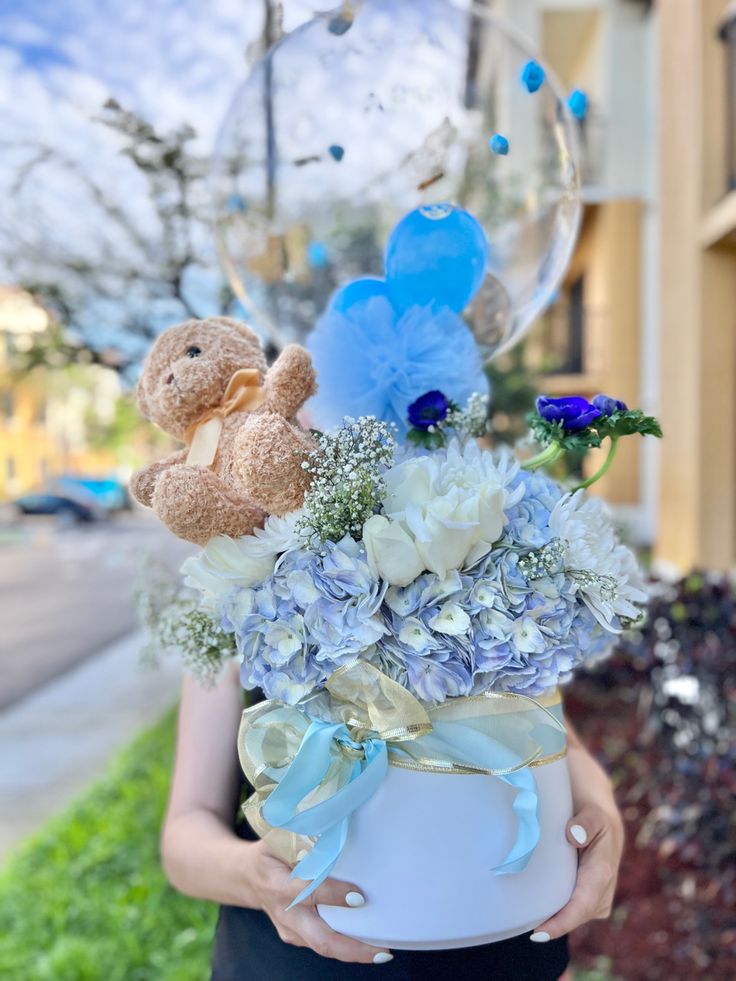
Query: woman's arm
pixel 199 850
pixel 596 829
pixel 203 857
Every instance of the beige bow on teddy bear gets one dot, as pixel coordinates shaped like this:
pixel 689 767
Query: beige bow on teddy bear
pixel 206 383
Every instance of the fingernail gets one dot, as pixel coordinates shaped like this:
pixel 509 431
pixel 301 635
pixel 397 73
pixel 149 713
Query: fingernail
pixel 383 957
pixel 579 833
pixel 355 899
pixel 540 937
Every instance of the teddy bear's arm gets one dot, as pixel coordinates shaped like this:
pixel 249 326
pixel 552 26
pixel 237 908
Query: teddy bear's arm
pixel 195 504
pixel 143 482
pixel 290 381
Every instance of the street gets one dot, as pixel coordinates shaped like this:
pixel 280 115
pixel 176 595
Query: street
pixel 67 593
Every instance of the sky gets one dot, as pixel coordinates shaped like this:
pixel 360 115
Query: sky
pixel 172 61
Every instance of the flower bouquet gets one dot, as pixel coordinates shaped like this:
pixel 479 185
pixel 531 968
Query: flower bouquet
pixel 409 627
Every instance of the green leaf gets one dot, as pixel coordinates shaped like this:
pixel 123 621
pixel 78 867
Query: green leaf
pixel 628 423
pixel 429 441
pixel 546 433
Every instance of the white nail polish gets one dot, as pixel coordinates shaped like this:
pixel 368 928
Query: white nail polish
pixel 383 957
pixel 540 937
pixel 579 833
pixel 355 899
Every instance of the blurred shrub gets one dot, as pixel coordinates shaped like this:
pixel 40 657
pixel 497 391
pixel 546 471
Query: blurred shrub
pixel 86 899
pixel 661 716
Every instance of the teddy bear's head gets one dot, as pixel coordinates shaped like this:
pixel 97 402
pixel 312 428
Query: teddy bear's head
pixel 187 370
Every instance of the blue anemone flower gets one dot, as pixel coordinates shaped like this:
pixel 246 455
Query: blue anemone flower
pixel 575 413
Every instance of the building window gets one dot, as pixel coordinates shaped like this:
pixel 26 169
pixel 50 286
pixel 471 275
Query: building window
pixel 10 470
pixel 564 332
pixel 727 33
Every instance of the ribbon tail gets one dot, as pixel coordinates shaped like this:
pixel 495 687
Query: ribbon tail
pixel 526 808
pixel 320 860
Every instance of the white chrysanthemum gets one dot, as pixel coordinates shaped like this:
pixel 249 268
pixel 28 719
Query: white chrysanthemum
pixel 280 534
pixel 606 572
pixel 228 563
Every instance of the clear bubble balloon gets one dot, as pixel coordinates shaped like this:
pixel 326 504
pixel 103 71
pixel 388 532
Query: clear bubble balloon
pixel 362 124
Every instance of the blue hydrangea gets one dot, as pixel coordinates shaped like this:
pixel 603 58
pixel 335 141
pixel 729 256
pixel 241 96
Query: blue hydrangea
pixel 527 523
pixel 314 613
pixel 485 627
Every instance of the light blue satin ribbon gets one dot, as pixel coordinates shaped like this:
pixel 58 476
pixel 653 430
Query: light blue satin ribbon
pixel 329 820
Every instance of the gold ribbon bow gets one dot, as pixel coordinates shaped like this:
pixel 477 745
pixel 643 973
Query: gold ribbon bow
pixel 372 705
pixel 244 392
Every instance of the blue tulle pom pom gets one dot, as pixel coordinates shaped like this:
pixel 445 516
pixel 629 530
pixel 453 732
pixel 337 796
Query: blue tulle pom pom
pixel 377 361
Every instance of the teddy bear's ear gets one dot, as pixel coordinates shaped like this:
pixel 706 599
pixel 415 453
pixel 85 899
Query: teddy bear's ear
pixel 245 331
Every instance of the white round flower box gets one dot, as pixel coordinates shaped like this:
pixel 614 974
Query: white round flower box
pixel 422 851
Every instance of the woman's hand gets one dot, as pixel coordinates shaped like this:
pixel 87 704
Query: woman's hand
pixel 302 926
pixel 597 832
pixel 203 857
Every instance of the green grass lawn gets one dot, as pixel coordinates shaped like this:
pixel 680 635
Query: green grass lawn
pixel 86 899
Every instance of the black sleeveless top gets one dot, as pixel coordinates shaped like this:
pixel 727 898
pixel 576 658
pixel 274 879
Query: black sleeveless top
pixel 248 948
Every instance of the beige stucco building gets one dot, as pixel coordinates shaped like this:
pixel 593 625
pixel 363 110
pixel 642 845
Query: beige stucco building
pixel 647 311
pixel 697 283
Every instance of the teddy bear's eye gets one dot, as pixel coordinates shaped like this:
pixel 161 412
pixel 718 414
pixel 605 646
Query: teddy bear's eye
pixel 193 351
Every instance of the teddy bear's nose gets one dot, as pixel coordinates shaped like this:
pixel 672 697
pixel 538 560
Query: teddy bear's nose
pixel 170 379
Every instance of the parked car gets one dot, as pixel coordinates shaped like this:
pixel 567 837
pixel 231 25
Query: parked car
pixel 69 510
pixel 108 493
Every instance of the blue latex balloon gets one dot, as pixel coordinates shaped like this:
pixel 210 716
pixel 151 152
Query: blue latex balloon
pixel 436 255
pixel 356 292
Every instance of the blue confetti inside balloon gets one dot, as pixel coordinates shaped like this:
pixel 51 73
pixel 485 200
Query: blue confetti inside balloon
pixel 317 255
pixel 533 75
pixel 437 255
pixel 236 204
pixel 337 152
pixel 577 103
pixel 499 144
pixel 377 362
pixel 356 292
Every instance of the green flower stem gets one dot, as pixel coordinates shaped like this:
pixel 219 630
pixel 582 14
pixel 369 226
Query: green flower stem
pixel 553 452
pixel 603 467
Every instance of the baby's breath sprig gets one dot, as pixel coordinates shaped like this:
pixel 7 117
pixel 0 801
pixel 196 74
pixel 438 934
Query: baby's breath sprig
pixel 472 421
pixel 346 468
pixel 190 634
pixel 175 625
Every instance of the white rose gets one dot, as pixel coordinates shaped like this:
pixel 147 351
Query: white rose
pixel 392 554
pixel 225 563
pixel 450 503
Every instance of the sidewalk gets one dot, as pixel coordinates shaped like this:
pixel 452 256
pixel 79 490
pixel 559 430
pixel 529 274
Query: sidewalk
pixel 62 736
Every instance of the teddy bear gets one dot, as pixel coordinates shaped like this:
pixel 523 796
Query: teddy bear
pixel 206 382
